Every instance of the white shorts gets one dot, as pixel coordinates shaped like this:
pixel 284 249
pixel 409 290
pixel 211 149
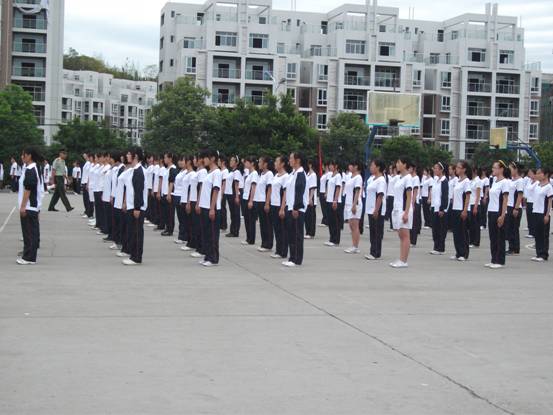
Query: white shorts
pixel 397 220
pixel 348 214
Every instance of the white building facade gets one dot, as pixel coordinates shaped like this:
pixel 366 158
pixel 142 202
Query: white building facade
pixel 99 97
pixel 469 70
pixel 32 55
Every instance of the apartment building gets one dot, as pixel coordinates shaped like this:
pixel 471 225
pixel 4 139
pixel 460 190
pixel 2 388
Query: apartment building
pixel 100 97
pixel 31 55
pixel 546 108
pixel 469 70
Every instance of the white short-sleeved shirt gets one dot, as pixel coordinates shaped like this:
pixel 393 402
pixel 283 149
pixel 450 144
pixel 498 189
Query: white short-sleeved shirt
pixel 485 184
pixel 291 190
pixel 214 179
pixel 530 191
pixel 155 178
pixel 202 175
pixel 452 182
pixel 497 190
pixel 436 192
pixel 475 184
pixel 261 188
pixel 76 173
pixel 278 184
pixel 239 177
pixel 541 194
pixel 416 184
pixel 120 188
pixel 193 186
pixel 324 181
pixel 312 184
pixel 178 189
pixel 252 178
pixel 228 177
pixel 354 183
pixel 165 180
pixel 114 174
pixel 106 183
pixel 460 190
pixel 376 186
pixel 402 186
pixel 163 174
pixel 331 185
pixel 516 187
pixel 150 176
pixel 426 183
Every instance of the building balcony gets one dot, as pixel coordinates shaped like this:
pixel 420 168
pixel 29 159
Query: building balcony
pixel 24 47
pixel 255 100
pixel 29 72
pixel 506 112
pixel 224 99
pixel 386 82
pixel 507 89
pixel 226 73
pixel 27 1
pixel 478 134
pixel 26 23
pixel 357 80
pixel 67 107
pixel 479 111
pixel 479 87
pixel 355 104
pixel 259 75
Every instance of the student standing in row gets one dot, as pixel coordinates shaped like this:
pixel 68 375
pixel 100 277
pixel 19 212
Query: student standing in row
pixel 474 212
pixel 439 200
pixel 194 239
pixel 150 181
pixel 392 177
pixel 262 203
pixel 278 208
pixel 376 207
pixel 232 195
pixel 541 211
pixel 178 200
pixel 529 195
pixel 116 193
pixel 248 211
pixel 514 204
pixel 311 212
pixel 106 197
pixel 497 211
pixel 76 175
pixel 353 209
pixel 459 212
pixel 402 213
pixel 322 195
pixel 210 205
pixel 46 174
pixel 29 193
pixel 167 193
pixel 15 174
pixel 425 186
pixel 136 203
pixel 417 219
pixel 333 200
pixel 223 165
pixel 485 198
pixel 84 181
pixel 296 204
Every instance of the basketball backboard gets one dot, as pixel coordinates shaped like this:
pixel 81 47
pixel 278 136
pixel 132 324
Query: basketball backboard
pixel 391 106
pixel 498 138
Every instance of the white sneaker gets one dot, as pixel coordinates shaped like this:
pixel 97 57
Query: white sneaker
pixel 352 250
pixel 289 264
pixel 146 221
pixel 21 261
pixel 482 228
pixel 370 257
pixel 275 256
pixel 208 264
pixel 434 252
pixel 113 247
pixel 529 237
pixel 489 264
pixel 84 216
pixel 122 255
pixel 453 258
pixel 426 227
pixel 307 237
pixel 399 264
pixel 99 233
pixel 196 255
pixel 471 246
pixel 461 259
pixel 538 259
pixel 531 246
pixel 261 249
pixel 151 225
pixel 496 266
pixel 244 243
pixel 128 261
pixel 322 225
pixel 179 242
pixel 185 248
pixel 330 244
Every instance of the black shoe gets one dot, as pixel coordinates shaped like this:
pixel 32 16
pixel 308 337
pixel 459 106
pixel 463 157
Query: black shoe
pixel 70 209
pixel 231 235
pixel 53 210
pixel 165 233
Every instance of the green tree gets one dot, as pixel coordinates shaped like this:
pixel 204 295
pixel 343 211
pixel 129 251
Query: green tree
pixel 484 156
pixel 78 136
pixel 18 126
pixel 346 138
pixel 177 122
pixel 545 153
pixel 421 155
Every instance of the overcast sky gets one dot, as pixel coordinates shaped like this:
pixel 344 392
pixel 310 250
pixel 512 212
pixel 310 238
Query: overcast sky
pixel 120 29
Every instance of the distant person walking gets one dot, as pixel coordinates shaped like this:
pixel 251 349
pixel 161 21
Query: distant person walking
pixel 59 174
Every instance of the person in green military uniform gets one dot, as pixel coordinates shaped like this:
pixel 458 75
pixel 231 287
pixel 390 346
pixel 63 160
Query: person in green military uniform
pixel 59 174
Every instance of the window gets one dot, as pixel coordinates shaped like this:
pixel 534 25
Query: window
pixel 161 43
pixel 445 103
pixel 533 132
pixel 316 50
pixel 291 71
pixel 189 43
pixel 77 92
pixel 417 78
pixel 190 64
pixel 172 13
pixel 172 63
pixel 382 28
pixel 445 79
pixel 321 97
pixel 356 47
pixel 262 20
pixel 161 66
pixel 535 88
pixel 114 109
pixel 534 108
pixel 281 47
pixel 321 121
pixel 225 39
pixel 386 49
pixel 477 55
pixel 78 106
pixel 124 98
pixel 259 41
pixel 434 58
pixel 454 34
pixel 440 35
pixel 322 72
pixel 506 57
pixel 444 127
pixel 291 92
pixel 89 93
pixel 448 58
pixel 162 19
pixel 172 39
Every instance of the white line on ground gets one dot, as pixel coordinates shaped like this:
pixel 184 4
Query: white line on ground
pixel 7 220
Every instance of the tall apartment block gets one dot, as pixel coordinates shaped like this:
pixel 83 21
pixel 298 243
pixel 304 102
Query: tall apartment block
pixel 31 55
pixel 100 97
pixel 546 108
pixel 469 70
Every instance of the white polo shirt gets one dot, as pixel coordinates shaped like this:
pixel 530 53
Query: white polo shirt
pixel 261 189
pixel 436 193
pixel 120 188
pixel 291 190
pixel 324 182
pixel 214 179
pixel 460 190
pixel 106 183
pixel 402 186
pixel 376 187
pixel 331 185
pixel 193 188
pixel 252 178
pixel 179 183
pixel 475 184
pixel 354 183
pixel 497 190
pixel 155 178
pixel 516 187
pixel 278 184
pixel 541 194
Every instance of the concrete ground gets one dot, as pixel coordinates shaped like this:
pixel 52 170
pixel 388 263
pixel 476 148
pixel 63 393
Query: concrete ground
pixel 81 334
